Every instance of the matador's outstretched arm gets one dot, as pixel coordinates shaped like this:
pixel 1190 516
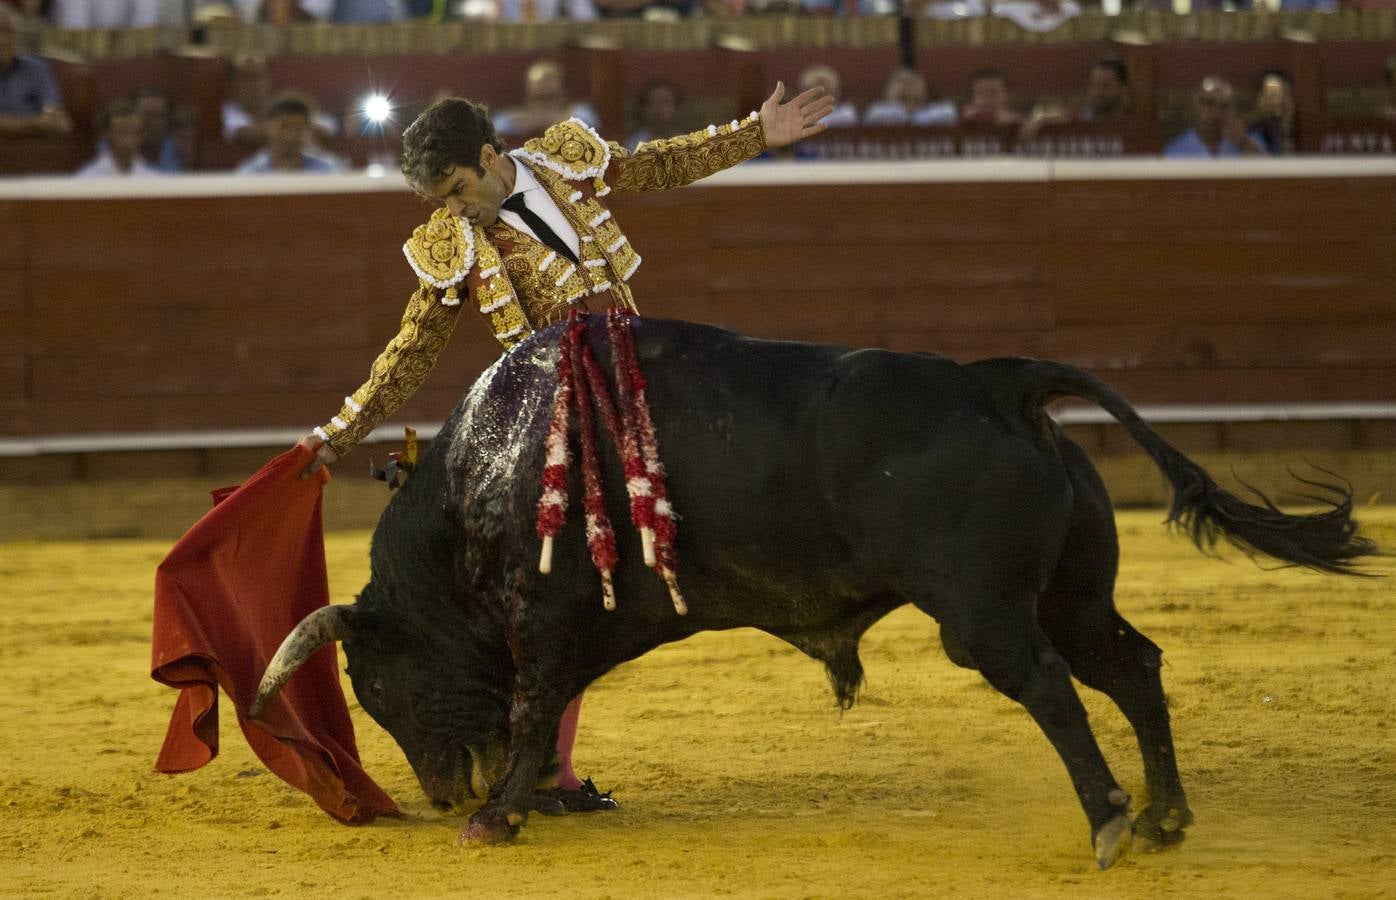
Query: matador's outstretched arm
pixel 660 165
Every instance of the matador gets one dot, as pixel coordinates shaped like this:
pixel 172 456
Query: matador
pixel 525 236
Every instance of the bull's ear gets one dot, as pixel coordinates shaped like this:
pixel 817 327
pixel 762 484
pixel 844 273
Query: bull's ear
pixel 328 623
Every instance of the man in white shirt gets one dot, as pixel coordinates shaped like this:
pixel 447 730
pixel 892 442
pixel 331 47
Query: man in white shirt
pixel 288 141
pixel 904 103
pixel 114 13
pixel 544 10
pixel 546 102
pixel 845 115
pixel 121 129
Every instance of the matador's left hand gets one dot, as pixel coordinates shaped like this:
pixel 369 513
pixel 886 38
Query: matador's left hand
pixel 785 123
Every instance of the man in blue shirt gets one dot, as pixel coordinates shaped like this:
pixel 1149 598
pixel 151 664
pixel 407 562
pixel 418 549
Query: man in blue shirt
pixel 288 127
pixel 29 98
pixel 1217 130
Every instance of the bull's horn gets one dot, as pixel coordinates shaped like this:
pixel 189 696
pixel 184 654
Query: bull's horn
pixel 328 623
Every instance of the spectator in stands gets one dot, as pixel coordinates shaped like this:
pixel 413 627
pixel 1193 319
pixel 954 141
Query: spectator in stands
pixel 114 13
pixel 224 11
pixel 657 107
pixel 284 12
pixel 1030 15
pixel 1389 75
pixel 1273 126
pixel 158 148
pixel 1217 130
pixel 1107 92
pixel 119 155
pixel 366 12
pixel 1106 101
pixel 184 135
pixel 1315 5
pixel 243 110
pixel 546 102
pixel 645 9
pixel 904 103
pixel 989 100
pixel 845 115
pixel 542 10
pixel 288 150
pixel 29 100
pixel 1036 15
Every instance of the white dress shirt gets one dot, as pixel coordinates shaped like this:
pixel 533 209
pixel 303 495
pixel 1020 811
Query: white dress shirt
pixel 104 166
pixel 542 205
pixel 547 10
pixel 890 112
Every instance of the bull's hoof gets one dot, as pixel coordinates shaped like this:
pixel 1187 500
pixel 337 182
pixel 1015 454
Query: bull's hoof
pixel 1112 841
pixel 1163 824
pixel 587 798
pixel 485 828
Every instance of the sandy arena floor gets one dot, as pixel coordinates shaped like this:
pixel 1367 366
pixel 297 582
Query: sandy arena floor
pixel 736 773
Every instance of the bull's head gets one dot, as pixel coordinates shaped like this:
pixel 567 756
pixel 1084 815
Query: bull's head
pixel 450 723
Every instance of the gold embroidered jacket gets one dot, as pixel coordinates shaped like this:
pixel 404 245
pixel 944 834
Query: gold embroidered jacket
pixel 518 283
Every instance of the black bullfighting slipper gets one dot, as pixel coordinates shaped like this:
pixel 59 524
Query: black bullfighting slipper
pixel 587 798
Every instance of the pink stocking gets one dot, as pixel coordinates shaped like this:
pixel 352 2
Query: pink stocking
pixel 566 737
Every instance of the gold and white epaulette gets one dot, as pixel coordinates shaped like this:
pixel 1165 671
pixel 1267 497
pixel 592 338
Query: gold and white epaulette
pixel 442 253
pixel 571 149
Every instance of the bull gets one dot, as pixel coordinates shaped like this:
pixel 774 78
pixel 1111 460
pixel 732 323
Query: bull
pixel 820 487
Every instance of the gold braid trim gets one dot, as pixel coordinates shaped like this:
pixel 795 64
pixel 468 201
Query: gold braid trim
pixel 572 149
pixel 442 253
pixel 397 372
pixel 673 162
pixel 498 300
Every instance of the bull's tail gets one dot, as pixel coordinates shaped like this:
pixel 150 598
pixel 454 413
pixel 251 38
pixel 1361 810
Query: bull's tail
pixel 1325 540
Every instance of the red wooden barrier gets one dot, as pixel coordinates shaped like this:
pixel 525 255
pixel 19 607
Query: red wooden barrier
pixel 241 312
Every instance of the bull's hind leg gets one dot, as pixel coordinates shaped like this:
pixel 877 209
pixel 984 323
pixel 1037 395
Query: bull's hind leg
pixel 1004 545
pixel 1106 653
pixel 1016 657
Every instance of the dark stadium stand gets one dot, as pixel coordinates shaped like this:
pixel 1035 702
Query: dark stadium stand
pixel 1334 79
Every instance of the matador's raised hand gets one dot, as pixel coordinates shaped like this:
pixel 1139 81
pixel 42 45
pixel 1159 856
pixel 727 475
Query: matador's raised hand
pixel 785 123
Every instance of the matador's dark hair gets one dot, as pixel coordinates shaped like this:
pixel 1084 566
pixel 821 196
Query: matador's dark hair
pixel 450 132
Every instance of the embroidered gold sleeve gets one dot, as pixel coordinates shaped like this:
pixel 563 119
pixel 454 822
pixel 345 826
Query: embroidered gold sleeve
pixel 673 162
pixel 397 372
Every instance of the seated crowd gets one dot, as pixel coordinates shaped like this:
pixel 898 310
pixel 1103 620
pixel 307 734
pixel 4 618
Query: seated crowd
pixel 146 135
pixel 1033 15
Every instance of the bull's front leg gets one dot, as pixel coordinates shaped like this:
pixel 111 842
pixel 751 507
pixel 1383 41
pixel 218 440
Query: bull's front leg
pixel 531 721
pixel 542 690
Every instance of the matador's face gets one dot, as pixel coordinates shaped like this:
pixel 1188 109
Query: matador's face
pixel 472 196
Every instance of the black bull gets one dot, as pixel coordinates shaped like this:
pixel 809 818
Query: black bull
pixel 819 488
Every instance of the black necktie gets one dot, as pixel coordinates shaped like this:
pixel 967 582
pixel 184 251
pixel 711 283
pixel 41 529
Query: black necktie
pixel 515 204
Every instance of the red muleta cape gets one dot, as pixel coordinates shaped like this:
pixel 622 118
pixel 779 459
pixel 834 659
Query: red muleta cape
pixel 225 597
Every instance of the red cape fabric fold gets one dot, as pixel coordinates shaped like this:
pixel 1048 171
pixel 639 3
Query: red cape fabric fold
pixel 225 597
